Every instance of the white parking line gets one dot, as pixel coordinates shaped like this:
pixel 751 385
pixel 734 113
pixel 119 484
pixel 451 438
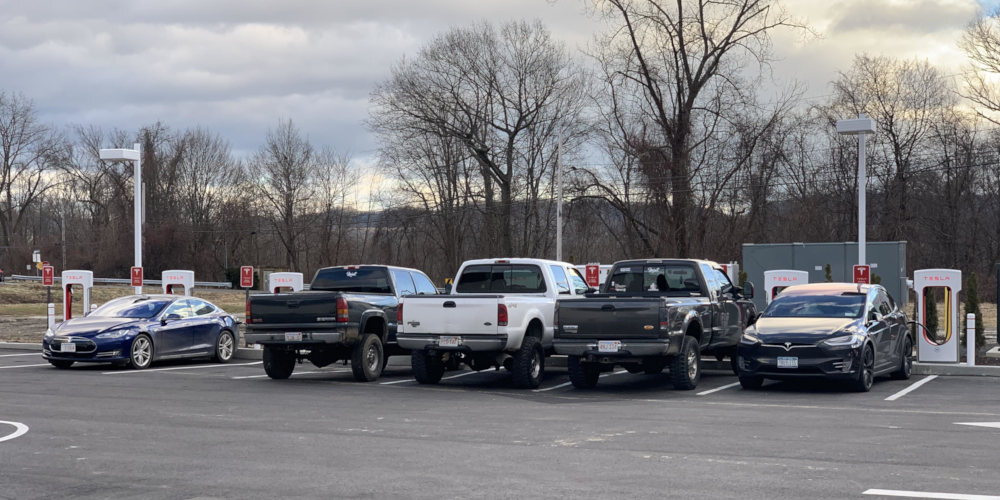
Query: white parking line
pixel 911 388
pixel 29 354
pixel 19 430
pixel 569 383
pixel 179 368
pixel 717 389
pixel 460 375
pixel 22 366
pixel 928 494
pixel 292 375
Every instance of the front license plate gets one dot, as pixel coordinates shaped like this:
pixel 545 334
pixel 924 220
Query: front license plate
pixel 67 347
pixel 609 345
pixel 788 362
pixel 450 341
pixel 293 336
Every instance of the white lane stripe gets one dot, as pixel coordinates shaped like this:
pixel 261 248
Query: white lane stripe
pixel 717 389
pixel 570 383
pixel 397 381
pixel 928 494
pixel 22 366
pixel 619 372
pixel 29 354
pixel 179 368
pixel 911 388
pixel 991 425
pixel 463 374
pixel 19 430
pixel 293 374
pixel 460 375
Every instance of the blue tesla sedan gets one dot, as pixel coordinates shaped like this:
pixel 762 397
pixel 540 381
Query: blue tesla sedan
pixel 139 329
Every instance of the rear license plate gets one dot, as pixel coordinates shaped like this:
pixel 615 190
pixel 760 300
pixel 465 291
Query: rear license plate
pixel 788 362
pixel 609 345
pixel 450 341
pixel 293 336
pixel 67 347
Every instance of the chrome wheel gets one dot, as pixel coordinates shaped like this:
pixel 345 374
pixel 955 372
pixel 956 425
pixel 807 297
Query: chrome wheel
pixel 373 357
pixel 225 347
pixel 142 352
pixel 536 365
pixel 692 362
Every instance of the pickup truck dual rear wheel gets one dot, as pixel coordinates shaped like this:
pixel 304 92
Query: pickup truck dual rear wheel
pixel 278 364
pixel 583 375
pixel 529 364
pixel 427 369
pixel 368 358
pixel 685 367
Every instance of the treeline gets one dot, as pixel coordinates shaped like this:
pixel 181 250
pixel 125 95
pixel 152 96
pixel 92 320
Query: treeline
pixel 667 143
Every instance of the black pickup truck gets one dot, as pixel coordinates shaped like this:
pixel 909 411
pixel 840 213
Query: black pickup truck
pixel 653 314
pixel 349 312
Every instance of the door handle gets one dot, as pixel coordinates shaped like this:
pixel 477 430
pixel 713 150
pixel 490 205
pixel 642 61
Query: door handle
pixel 449 303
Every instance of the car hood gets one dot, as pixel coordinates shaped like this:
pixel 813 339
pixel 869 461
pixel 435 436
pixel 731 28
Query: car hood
pixel 805 330
pixel 85 326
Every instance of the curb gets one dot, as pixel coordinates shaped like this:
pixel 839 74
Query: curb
pixel 955 369
pixel 21 346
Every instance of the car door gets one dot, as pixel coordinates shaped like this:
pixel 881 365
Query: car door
pixel 878 325
pixel 173 337
pixel 204 327
pixel 730 308
pixel 404 287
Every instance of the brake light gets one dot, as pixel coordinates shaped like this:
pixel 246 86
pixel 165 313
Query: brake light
pixel 249 320
pixel 501 315
pixel 341 310
pixel 555 316
pixel 399 313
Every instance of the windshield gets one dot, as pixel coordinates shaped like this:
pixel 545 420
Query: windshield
pixel 130 307
pixel 664 278
pixel 845 305
pixel 358 279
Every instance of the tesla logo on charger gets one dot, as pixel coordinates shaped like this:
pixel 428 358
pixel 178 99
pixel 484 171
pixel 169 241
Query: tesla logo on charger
pixel 786 279
pixel 136 276
pixel 246 276
pixel 48 275
pixel 862 274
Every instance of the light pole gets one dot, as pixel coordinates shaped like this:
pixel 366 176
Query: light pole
pixel 860 126
pixel 559 203
pixel 134 156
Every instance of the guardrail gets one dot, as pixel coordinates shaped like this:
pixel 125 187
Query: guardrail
pixel 125 281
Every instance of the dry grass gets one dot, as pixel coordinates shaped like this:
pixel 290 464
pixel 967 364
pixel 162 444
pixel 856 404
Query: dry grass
pixel 988 309
pixel 28 299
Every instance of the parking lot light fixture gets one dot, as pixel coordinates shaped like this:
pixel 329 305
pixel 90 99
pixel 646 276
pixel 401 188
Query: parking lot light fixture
pixel 135 156
pixel 860 126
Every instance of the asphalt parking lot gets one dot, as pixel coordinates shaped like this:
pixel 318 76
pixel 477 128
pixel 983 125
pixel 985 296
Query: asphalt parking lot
pixel 202 430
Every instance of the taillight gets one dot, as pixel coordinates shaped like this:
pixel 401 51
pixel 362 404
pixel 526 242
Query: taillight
pixel 501 315
pixel 341 310
pixel 555 316
pixel 248 312
pixel 399 313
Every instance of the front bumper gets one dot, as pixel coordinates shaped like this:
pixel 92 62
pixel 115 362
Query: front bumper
pixel 469 343
pixel 813 361
pixel 86 349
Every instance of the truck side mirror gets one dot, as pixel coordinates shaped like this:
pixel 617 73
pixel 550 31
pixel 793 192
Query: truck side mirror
pixel 748 289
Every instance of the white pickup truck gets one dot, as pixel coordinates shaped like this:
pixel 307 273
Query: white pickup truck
pixel 499 313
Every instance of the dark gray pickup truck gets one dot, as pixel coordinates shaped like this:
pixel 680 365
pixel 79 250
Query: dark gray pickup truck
pixel 348 313
pixel 653 314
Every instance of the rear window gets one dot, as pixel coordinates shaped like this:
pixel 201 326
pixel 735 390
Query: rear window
pixel 501 278
pixel 845 305
pixel 664 278
pixel 361 279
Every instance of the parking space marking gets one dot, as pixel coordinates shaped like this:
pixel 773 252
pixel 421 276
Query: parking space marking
pixel 180 368
pixel 911 388
pixel 22 366
pixel 570 383
pixel 292 375
pixel 29 354
pixel 19 430
pixel 928 494
pixel 993 425
pixel 717 389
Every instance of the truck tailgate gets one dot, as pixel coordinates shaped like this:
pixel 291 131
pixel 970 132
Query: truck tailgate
pixel 450 314
pixel 609 318
pixel 294 308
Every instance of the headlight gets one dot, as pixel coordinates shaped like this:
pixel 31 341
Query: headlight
pixel 116 334
pixel 848 340
pixel 749 339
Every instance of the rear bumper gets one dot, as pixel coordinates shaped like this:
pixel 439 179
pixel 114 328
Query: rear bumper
pixel 469 343
pixel 308 337
pixel 629 348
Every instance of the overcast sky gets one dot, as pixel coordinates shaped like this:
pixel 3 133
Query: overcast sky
pixel 238 66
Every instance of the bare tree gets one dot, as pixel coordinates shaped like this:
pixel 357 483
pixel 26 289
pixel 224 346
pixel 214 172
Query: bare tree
pixel 981 43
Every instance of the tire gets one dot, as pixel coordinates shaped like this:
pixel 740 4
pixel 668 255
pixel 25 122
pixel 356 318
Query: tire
pixel 427 369
pixel 61 364
pixel 278 364
pixel 225 347
pixel 583 375
pixel 751 382
pixel 685 367
pixel 906 363
pixel 734 364
pixel 529 364
pixel 368 358
pixel 866 373
pixel 141 352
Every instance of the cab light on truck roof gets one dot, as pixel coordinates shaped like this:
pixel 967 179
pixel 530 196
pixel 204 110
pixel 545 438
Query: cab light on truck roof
pixel 342 310
pixel 501 261
pixel 501 315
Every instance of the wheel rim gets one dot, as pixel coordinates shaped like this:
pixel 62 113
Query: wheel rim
pixel 867 372
pixel 225 346
pixel 536 365
pixel 141 351
pixel 372 357
pixel 907 357
pixel 692 362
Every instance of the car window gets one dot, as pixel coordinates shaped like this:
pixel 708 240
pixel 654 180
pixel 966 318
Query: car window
pixel 501 278
pixel 352 279
pixel 882 303
pixel 843 305
pixel 579 284
pixel 424 285
pixel 710 279
pixel 680 278
pixel 181 308
pixel 404 283
pixel 720 277
pixel 201 307
pixel 559 276
pixel 130 307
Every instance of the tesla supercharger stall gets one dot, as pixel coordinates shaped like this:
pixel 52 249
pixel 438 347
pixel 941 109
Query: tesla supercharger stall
pixel 277 281
pixel 75 277
pixel 778 279
pixel 174 278
pixel 940 345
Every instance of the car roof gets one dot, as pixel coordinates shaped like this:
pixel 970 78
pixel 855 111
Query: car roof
pixel 514 260
pixel 828 288
pixel 372 265
pixel 666 261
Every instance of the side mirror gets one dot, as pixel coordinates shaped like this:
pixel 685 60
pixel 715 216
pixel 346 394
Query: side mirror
pixel 170 317
pixel 873 317
pixel 748 289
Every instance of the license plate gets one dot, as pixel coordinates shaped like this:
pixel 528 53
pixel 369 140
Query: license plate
pixel 788 362
pixel 293 336
pixel 67 347
pixel 450 341
pixel 609 345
